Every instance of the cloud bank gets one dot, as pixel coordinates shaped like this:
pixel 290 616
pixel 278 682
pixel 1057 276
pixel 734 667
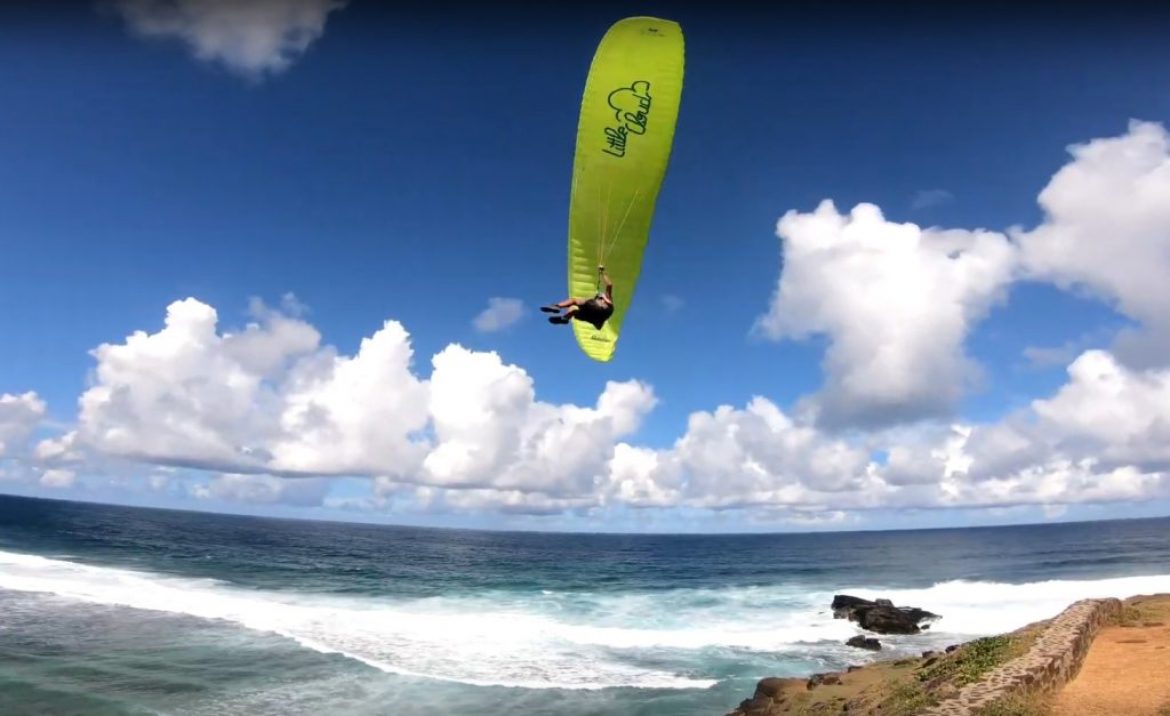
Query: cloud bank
pixel 271 413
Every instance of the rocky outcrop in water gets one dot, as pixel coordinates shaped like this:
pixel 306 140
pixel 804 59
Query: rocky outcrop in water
pixel 865 642
pixel 881 616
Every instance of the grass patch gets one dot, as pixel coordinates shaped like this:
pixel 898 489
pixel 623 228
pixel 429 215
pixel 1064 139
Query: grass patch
pixel 970 663
pixel 1019 705
pixel 1131 616
pixel 908 691
pixel 905 699
pixel 1147 610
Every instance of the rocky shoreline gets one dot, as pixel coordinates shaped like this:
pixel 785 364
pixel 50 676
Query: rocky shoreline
pixel 969 679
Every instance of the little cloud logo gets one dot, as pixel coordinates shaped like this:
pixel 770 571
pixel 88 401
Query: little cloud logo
pixel 631 107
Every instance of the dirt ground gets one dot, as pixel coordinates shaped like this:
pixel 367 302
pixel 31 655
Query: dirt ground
pixel 1125 671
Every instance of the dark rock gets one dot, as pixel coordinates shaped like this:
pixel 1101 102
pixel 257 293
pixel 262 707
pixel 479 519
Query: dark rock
pixel 886 620
pixel 863 642
pixel 822 680
pixel 843 605
pixel 854 668
pixel 880 616
pixel 844 601
pixel 927 654
pixel 918 615
pixel 952 647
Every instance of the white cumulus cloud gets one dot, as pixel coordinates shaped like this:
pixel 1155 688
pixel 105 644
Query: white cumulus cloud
pixel 491 430
pixel 1107 233
pixel 1111 413
pixel 744 457
pixel 266 399
pixel 896 302
pixel 271 399
pixel 500 313
pixel 19 416
pixel 252 37
pixel 1101 437
pixel 57 478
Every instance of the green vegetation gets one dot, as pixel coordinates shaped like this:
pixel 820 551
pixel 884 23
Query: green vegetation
pixel 905 699
pixel 1131 616
pixel 1019 705
pixel 942 675
pixel 969 664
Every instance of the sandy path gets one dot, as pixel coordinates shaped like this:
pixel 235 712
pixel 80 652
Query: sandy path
pixel 1125 672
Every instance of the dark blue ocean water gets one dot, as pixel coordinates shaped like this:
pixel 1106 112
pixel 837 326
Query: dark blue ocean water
pixel 113 610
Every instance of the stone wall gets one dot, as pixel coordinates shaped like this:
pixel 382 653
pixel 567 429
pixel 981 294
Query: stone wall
pixel 1054 659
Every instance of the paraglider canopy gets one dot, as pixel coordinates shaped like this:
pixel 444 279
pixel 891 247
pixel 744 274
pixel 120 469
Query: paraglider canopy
pixel 624 138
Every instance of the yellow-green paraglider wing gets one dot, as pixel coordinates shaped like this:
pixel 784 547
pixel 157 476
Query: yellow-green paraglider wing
pixel 624 136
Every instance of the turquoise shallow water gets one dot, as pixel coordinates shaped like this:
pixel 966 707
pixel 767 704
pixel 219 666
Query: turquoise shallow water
pixel 110 610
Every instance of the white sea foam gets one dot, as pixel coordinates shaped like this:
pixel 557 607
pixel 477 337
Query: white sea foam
pixel 560 640
pixel 456 640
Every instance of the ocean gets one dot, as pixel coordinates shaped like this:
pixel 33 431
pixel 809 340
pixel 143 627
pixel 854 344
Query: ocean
pixel 116 610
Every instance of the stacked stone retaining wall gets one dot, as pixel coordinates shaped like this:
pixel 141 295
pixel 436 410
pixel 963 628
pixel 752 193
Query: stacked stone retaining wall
pixel 1054 659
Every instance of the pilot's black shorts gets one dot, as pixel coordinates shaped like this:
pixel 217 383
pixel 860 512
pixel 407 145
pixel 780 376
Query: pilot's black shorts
pixel 595 311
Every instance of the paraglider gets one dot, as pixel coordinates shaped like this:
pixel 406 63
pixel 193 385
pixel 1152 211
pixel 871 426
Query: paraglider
pixel 595 311
pixel 624 137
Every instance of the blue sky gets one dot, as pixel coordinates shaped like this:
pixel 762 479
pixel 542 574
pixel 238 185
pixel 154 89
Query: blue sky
pixel 409 165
